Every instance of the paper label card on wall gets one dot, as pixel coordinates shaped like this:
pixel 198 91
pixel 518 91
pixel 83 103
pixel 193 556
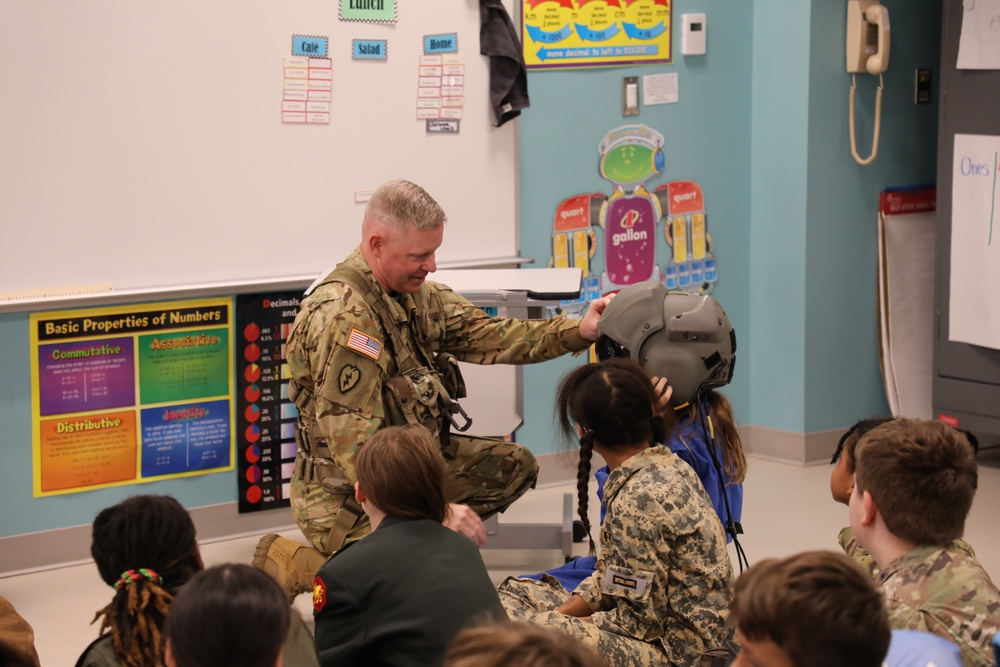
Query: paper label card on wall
pixel 369 49
pixel 309 45
pixel 445 43
pixel 659 89
pixel 368 11
pixel 974 305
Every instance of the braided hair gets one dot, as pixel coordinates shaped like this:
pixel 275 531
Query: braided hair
pixel 145 548
pixel 613 403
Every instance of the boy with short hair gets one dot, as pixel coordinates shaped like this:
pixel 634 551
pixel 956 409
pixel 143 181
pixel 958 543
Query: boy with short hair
pixel 914 485
pixel 842 486
pixel 814 609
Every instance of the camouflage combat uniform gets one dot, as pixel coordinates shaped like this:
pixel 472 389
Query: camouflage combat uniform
pixel 858 553
pixel 660 591
pixel 347 382
pixel 944 590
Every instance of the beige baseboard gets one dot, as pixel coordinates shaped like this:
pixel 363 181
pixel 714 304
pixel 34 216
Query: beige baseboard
pixel 44 550
pixel 804 449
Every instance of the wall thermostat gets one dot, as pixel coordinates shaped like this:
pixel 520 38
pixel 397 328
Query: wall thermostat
pixel 693 34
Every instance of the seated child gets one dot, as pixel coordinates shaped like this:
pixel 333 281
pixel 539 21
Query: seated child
pixel 690 429
pixel 813 609
pixel 710 420
pixel 228 615
pixel 145 549
pixel 914 485
pixel 517 645
pixel 842 485
pixel 676 334
pixel 400 595
pixel 660 590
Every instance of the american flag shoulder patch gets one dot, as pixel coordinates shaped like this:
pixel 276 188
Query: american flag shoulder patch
pixel 365 344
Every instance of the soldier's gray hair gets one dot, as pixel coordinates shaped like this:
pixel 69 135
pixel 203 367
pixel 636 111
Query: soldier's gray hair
pixel 403 205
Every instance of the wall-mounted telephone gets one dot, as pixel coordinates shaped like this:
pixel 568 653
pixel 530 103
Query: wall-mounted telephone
pixel 867 51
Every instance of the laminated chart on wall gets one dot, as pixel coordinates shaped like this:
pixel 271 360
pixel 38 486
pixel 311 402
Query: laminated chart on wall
pixel 574 243
pixel 595 33
pixel 630 156
pixel 628 245
pixel 974 300
pixel 265 415
pixel 130 394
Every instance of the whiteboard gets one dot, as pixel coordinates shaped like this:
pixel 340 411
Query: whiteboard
pixel 142 142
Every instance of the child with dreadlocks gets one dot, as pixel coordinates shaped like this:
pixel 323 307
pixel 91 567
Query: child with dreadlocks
pixel 145 549
pixel 659 593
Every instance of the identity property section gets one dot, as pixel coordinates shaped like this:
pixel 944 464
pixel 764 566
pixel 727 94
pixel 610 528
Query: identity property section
pixel 130 394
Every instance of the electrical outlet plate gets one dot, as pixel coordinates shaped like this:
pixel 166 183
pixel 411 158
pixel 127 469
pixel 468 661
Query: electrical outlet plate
pixel 630 96
pixel 922 86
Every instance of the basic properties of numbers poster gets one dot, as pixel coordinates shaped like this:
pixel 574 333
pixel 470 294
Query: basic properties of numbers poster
pixel 130 394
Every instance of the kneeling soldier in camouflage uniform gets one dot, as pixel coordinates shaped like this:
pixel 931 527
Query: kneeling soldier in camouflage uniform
pixel 375 345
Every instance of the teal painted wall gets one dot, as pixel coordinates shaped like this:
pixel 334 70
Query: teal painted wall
pixel 707 139
pixel 842 382
pixel 777 175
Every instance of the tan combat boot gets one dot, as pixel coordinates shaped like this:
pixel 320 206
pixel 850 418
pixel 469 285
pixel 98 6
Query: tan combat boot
pixel 292 564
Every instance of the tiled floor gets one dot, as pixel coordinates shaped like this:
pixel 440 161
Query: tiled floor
pixel 787 509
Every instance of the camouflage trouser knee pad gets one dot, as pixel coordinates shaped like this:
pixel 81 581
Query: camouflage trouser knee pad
pixel 489 475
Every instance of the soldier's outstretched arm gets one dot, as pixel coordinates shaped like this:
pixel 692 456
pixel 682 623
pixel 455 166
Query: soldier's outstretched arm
pixel 473 336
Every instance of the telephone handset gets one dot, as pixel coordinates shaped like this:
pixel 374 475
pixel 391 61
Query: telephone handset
pixel 867 51
pixel 867 37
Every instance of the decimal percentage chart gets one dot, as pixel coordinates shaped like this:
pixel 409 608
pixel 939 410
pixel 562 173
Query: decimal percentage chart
pixel 265 417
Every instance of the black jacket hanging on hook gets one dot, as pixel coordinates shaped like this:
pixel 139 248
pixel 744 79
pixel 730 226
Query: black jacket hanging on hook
pixel 508 77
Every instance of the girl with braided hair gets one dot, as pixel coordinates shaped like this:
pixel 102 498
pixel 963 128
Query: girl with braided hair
pixel 144 547
pixel 659 593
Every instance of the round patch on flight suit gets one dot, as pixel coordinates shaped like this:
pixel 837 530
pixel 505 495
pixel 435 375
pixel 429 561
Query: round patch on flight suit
pixel 319 594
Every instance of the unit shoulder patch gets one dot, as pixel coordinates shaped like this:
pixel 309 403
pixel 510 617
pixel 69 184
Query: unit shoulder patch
pixel 319 594
pixel 348 378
